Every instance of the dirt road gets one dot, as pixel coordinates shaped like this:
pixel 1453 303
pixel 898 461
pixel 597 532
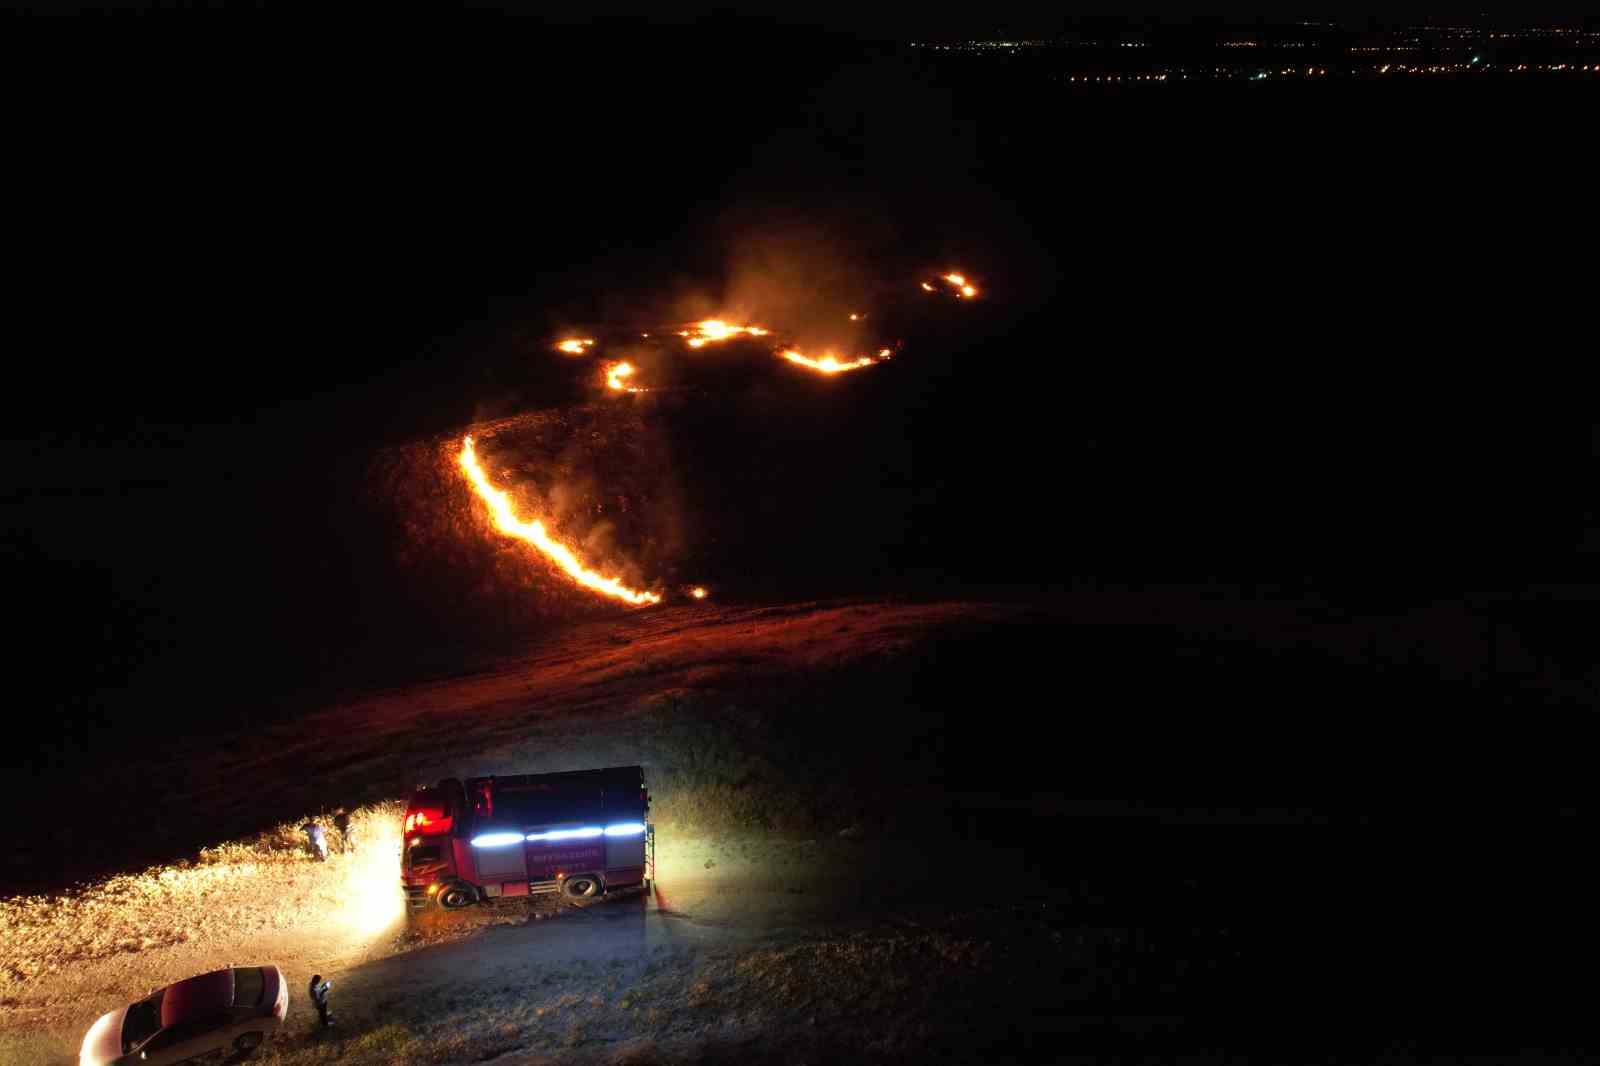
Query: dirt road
pixel 739 938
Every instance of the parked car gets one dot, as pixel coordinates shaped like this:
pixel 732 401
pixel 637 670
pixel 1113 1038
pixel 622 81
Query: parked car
pixel 230 1010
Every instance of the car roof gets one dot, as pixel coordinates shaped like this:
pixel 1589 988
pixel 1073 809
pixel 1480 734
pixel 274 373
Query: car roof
pixel 204 994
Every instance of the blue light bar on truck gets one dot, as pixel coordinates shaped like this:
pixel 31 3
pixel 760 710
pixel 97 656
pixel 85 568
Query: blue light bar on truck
pixel 567 834
pixel 500 840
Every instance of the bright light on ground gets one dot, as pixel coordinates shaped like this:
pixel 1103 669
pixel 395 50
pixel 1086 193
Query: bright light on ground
pixel 371 880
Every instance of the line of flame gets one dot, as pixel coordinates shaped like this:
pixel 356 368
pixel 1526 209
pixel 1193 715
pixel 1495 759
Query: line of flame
pixel 829 364
pixel 506 520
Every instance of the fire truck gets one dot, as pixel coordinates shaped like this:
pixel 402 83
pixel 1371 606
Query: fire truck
pixel 580 834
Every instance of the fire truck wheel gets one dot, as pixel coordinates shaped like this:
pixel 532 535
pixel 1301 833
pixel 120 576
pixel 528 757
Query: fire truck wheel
pixel 456 895
pixel 581 886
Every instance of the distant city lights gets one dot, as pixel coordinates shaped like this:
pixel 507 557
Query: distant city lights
pixel 1417 51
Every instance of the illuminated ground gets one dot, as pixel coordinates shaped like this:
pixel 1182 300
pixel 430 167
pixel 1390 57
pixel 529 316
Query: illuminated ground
pixel 599 695
pixel 887 829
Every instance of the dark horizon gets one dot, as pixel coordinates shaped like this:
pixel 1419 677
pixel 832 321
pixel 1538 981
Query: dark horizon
pixel 843 20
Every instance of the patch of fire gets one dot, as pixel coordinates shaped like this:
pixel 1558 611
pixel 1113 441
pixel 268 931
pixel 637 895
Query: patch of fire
pixel 832 364
pixel 955 283
pixel 715 329
pixel 506 520
pixel 617 375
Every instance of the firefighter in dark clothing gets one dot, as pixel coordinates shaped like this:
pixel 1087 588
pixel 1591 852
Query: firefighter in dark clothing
pixel 319 996
pixel 341 823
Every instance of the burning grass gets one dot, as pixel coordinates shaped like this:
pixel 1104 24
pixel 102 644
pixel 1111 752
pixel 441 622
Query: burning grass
pixel 600 480
pixel 533 532
pixel 712 330
pixel 831 364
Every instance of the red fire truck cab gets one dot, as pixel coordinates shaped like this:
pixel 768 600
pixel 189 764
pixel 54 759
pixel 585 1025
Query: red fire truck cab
pixel 581 834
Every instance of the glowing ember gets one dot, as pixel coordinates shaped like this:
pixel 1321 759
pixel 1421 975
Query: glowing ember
pixel 698 593
pixel 575 346
pixel 616 375
pixel 714 329
pixel 957 282
pixel 506 520
pixel 828 364
pixel 857 318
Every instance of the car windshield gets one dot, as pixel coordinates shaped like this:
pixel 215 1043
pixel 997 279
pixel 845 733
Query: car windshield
pixel 143 1019
pixel 248 987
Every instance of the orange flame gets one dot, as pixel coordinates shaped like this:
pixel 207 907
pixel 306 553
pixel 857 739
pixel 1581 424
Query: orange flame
pixel 506 520
pixel 830 364
pixel 958 282
pixel 698 593
pixel 714 329
pixel 575 346
pixel 615 375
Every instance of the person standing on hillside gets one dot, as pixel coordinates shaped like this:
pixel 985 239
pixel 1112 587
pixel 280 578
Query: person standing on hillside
pixel 319 997
pixel 316 840
pixel 341 823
